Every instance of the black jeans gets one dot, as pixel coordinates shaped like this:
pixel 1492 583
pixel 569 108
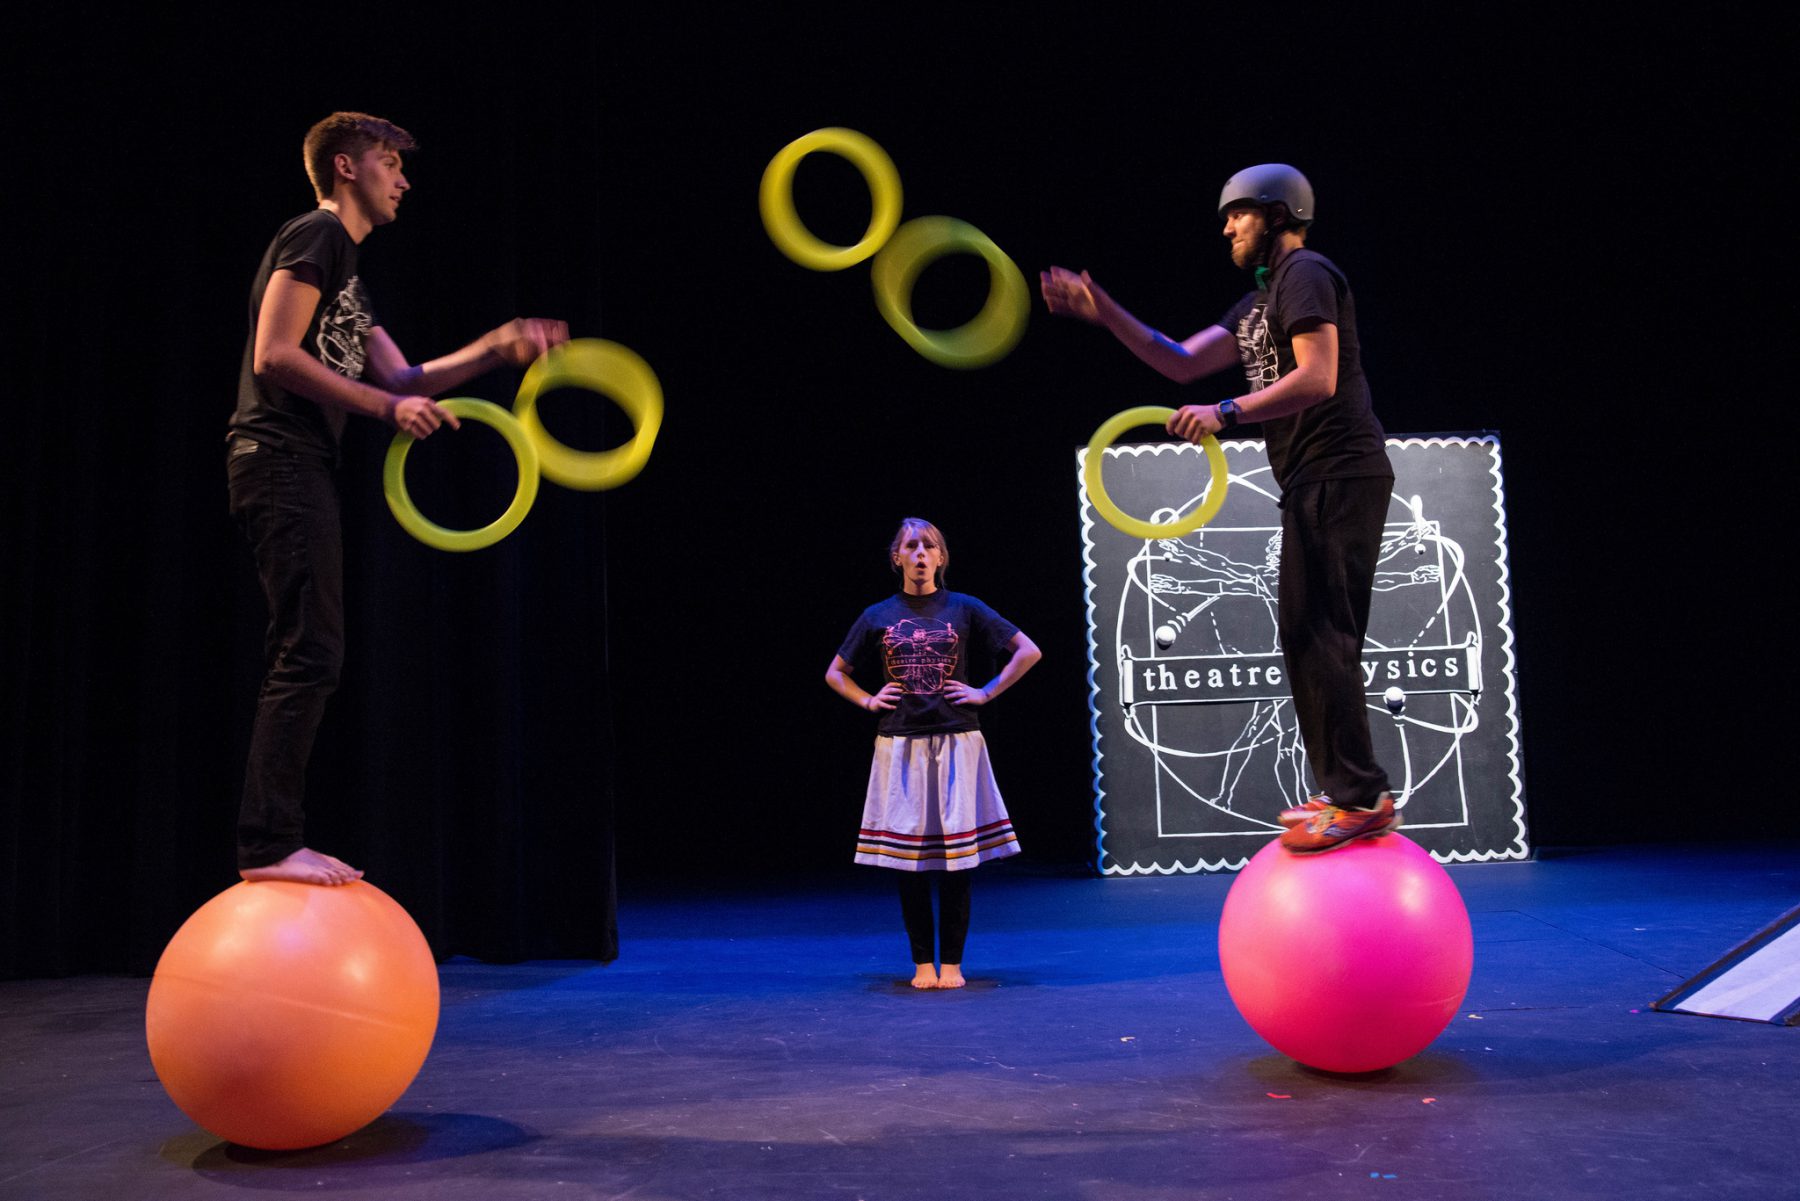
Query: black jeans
pixel 953 914
pixel 287 506
pixel 1330 542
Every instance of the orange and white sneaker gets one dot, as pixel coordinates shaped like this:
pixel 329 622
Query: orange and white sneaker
pixel 1318 802
pixel 1332 827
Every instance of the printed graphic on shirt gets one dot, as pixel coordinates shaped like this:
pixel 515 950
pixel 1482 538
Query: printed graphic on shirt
pixel 920 654
pixel 344 330
pixel 1256 350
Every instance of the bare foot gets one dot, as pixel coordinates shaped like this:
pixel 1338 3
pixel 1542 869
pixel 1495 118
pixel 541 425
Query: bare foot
pixel 304 867
pixel 950 977
pixel 925 976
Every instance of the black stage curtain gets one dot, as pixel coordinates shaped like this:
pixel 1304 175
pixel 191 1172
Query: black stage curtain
pixel 467 763
pixel 1532 228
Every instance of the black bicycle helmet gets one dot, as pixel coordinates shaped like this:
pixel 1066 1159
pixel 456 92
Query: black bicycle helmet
pixel 1270 183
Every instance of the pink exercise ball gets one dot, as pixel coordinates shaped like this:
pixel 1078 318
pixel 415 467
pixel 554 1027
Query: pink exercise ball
pixel 289 1015
pixel 1351 960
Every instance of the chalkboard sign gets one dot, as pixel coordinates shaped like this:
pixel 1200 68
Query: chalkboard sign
pixel 1196 747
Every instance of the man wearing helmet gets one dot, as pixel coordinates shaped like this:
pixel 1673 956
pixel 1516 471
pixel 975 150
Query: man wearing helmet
pixel 1295 338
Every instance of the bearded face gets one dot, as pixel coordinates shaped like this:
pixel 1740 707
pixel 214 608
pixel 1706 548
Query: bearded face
pixel 1247 226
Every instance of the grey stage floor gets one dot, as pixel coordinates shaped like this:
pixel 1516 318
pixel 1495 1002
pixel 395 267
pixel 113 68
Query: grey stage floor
pixel 762 1046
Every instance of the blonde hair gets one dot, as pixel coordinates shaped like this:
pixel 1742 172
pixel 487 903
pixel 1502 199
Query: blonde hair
pixel 919 525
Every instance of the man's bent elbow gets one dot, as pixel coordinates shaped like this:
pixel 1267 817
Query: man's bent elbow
pixel 270 364
pixel 1318 386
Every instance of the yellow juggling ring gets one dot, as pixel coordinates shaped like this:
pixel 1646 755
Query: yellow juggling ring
pixel 393 481
pixel 993 332
pixel 790 234
pixel 1136 528
pixel 611 370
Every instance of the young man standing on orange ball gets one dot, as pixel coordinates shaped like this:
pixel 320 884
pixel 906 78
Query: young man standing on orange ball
pixel 316 354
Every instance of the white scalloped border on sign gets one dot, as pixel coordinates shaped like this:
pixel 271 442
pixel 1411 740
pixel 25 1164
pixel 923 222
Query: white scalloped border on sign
pixel 1517 851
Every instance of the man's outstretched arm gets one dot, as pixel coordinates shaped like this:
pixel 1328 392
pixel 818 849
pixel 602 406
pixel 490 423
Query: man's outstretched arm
pixel 1211 349
pixel 514 344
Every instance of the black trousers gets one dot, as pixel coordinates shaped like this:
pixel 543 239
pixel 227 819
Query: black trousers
pixel 1330 542
pixel 953 914
pixel 287 506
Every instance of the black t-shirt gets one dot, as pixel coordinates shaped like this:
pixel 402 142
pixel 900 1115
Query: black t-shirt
pixel 337 337
pixel 920 643
pixel 1338 438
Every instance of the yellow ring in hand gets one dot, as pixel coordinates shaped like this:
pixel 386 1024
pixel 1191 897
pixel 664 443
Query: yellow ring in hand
pixel 393 481
pixel 790 234
pixel 611 370
pixel 992 333
pixel 1109 432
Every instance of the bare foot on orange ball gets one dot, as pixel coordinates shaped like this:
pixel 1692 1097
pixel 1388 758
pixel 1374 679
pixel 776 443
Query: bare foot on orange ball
pixel 925 975
pixel 951 976
pixel 304 867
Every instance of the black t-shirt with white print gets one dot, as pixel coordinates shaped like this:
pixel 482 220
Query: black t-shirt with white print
pixel 337 337
pixel 921 643
pixel 1338 438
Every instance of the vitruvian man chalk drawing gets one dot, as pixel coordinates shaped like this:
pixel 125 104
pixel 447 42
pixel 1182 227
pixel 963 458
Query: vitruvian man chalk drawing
pixel 1195 743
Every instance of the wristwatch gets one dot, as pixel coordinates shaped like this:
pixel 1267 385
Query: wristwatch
pixel 1228 413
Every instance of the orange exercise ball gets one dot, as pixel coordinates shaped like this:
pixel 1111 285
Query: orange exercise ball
pixel 289 1015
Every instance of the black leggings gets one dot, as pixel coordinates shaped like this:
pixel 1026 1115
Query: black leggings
pixel 953 914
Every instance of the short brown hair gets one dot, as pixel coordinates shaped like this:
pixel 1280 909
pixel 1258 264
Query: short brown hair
pixel 351 134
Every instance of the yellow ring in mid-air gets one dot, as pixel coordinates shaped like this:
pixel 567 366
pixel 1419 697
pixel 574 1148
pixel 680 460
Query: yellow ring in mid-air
pixel 992 333
pixel 790 234
pixel 393 481
pixel 611 370
pixel 1109 432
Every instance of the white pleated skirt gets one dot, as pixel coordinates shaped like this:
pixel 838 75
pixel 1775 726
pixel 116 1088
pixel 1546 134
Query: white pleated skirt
pixel 933 805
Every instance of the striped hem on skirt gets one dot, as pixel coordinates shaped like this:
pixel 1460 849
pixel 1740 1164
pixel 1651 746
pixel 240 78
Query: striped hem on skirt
pixel 933 805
